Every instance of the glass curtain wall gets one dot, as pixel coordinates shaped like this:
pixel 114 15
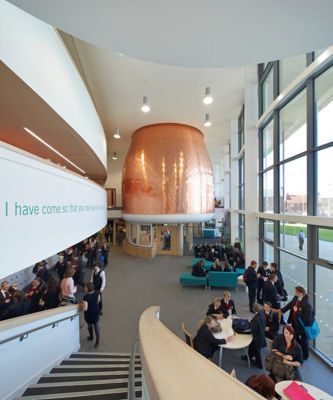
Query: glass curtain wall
pixel 296 182
pixel 241 180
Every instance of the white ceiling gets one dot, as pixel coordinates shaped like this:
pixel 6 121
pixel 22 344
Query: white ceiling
pixel 187 33
pixel 118 83
pixel 194 33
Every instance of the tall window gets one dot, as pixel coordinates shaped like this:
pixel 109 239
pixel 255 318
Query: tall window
pixel 241 156
pixel 296 182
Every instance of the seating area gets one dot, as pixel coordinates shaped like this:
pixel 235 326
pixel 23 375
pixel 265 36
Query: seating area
pixel 222 279
pixel 187 279
pixel 213 278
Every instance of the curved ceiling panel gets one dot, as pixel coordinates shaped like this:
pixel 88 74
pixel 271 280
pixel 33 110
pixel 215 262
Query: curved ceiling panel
pixel 22 107
pixel 194 33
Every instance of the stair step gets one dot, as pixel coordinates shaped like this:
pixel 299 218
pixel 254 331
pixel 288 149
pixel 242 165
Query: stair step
pixel 108 394
pixel 89 361
pixel 85 376
pixel 92 368
pixel 89 354
pixel 70 387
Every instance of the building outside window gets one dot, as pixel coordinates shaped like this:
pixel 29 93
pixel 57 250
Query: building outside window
pixel 296 183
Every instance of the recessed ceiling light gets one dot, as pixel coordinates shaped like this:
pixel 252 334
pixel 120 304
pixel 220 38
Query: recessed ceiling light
pixel 145 106
pixel 208 99
pixel 207 122
pixel 116 134
pixel 52 148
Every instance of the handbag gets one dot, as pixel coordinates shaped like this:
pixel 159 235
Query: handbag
pixel 312 331
pixel 276 366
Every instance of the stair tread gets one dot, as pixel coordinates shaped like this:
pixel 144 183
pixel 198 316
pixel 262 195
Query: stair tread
pixel 100 353
pixel 77 383
pixel 111 393
pixel 97 361
pixel 72 387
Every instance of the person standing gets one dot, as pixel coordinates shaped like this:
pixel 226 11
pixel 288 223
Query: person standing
pixel 257 326
pixel 67 288
pixel 262 274
pixel 300 309
pixel 99 280
pixel 270 292
pixel 251 281
pixel 301 237
pixel 91 311
pixel 272 321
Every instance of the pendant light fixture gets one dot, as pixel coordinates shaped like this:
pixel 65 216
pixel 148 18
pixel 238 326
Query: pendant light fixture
pixel 145 106
pixel 207 122
pixel 116 134
pixel 208 99
pixel 114 157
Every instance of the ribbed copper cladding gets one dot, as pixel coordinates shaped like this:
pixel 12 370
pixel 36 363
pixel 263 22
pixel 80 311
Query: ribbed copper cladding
pixel 167 171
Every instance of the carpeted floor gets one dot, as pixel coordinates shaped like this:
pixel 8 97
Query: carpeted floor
pixel 133 284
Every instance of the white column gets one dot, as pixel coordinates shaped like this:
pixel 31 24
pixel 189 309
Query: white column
pixel 180 239
pixel 251 164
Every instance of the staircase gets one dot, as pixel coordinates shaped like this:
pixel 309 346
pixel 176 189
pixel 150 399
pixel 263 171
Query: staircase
pixel 88 376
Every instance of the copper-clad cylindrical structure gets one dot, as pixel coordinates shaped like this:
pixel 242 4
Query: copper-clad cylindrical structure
pixel 167 176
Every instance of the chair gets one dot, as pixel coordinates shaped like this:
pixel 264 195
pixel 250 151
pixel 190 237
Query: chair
pixel 188 336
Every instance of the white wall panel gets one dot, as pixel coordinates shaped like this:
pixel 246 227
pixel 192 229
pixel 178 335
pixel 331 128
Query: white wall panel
pixel 43 209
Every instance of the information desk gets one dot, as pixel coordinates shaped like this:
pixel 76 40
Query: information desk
pixel 312 390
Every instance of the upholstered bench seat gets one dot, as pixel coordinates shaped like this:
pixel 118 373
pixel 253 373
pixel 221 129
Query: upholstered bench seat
pixel 187 279
pixel 222 279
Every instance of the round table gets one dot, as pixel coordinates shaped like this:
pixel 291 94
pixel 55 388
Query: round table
pixel 237 341
pixel 312 390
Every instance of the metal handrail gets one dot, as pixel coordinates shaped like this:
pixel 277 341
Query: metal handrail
pixel 24 335
pixel 131 372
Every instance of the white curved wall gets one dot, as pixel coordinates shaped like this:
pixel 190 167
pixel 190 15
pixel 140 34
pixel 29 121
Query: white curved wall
pixel 34 51
pixel 43 209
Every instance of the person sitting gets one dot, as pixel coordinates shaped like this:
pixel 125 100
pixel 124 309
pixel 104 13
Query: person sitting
pixel 257 326
pixel 226 267
pixel 205 342
pixel 286 346
pixel 216 265
pixel 215 309
pixel 272 321
pixel 262 384
pixel 270 292
pixel 228 305
pixel 198 269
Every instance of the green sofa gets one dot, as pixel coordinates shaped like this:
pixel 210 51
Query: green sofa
pixel 222 279
pixel 187 279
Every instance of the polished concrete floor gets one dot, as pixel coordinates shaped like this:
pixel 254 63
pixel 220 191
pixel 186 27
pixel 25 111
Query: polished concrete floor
pixel 134 284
